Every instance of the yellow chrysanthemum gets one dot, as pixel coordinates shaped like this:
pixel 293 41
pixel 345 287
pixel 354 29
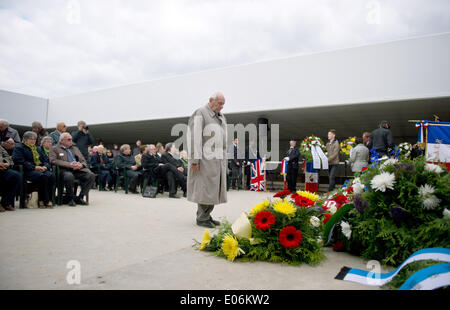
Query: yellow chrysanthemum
pixel 206 239
pixel 259 207
pixel 230 247
pixel 284 207
pixel 309 195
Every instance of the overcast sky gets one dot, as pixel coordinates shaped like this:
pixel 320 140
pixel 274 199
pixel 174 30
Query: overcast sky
pixel 63 47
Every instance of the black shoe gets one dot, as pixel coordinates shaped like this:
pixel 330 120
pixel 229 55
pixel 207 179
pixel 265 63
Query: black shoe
pixel 72 203
pixel 173 196
pixel 216 223
pixel 80 201
pixel 184 194
pixel 207 224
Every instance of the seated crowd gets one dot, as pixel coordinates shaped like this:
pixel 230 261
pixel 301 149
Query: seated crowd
pixel 36 158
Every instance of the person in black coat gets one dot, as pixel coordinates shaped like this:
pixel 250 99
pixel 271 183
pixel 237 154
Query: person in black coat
pixel 292 157
pixel 101 164
pixel 381 139
pixel 36 167
pixel 82 138
pixel 176 170
pixel 236 161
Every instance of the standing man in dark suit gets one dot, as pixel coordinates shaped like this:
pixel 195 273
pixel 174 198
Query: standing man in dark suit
pixel 236 164
pixel 176 174
pixel 292 158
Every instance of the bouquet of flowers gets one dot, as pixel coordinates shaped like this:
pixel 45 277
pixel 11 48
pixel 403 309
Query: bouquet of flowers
pixel 279 230
pixel 402 151
pixel 399 207
pixel 346 146
pixel 305 146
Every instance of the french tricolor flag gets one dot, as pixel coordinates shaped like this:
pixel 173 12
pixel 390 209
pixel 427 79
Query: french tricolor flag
pixel 312 178
pixel 283 170
pixel 438 142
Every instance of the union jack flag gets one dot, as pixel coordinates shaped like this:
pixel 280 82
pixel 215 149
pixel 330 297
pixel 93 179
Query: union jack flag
pixel 257 182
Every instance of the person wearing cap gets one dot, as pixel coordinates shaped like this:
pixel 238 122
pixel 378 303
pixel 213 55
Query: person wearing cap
pixel 381 139
pixel 82 138
pixel 292 157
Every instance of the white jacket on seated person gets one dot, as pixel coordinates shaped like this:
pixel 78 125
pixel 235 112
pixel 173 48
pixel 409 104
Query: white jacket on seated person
pixel 359 157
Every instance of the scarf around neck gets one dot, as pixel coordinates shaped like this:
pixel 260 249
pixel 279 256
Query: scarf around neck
pixel 33 149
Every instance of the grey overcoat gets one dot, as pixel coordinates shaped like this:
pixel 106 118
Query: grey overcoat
pixel 209 185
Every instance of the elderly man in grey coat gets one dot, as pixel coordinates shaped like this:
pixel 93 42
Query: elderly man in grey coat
pixel 206 183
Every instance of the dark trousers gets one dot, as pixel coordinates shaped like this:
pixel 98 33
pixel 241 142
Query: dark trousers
pixel 236 175
pixel 134 177
pixel 45 181
pixel 248 176
pixel 332 169
pixel 172 175
pixel 9 184
pixel 204 212
pixel 291 179
pixel 86 181
pixel 104 177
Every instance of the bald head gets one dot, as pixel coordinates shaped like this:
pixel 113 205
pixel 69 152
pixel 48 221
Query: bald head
pixel 61 127
pixel 216 102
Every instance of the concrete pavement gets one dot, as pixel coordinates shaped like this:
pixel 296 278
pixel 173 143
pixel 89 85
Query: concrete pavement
pixel 129 242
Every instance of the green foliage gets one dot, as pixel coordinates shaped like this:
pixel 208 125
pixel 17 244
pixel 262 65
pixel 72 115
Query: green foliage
pixel 381 233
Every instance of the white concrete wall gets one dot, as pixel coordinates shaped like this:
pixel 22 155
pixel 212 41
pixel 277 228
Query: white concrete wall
pixel 407 69
pixel 22 109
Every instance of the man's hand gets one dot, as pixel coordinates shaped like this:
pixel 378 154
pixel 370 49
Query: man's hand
pixel 160 164
pixel 133 167
pixel 4 166
pixel 76 165
pixel 40 168
pixel 181 169
pixel 195 167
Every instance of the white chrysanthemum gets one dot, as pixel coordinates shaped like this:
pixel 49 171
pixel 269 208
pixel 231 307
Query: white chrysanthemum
pixel 388 163
pixel 426 190
pixel 446 214
pixel 358 188
pixel 315 221
pixel 433 168
pixel 346 229
pixel 431 202
pixel 383 181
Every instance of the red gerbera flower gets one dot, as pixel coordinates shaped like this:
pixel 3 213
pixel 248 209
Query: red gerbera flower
pixel 326 218
pixel 294 195
pixel 263 220
pixel 303 201
pixel 282 193
pixel 290 237
pixel 350 190
pixel 364 169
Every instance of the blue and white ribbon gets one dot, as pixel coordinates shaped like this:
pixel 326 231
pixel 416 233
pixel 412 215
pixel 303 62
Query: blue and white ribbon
pixel 429 278
pixel 379 279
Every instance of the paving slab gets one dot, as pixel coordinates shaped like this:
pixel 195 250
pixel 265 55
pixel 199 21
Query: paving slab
pixel 125 241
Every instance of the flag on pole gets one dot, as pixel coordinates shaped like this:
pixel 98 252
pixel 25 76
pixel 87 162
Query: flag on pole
pixel 257 182
pixel 283 167
pixel 311 178
pixel 438 142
